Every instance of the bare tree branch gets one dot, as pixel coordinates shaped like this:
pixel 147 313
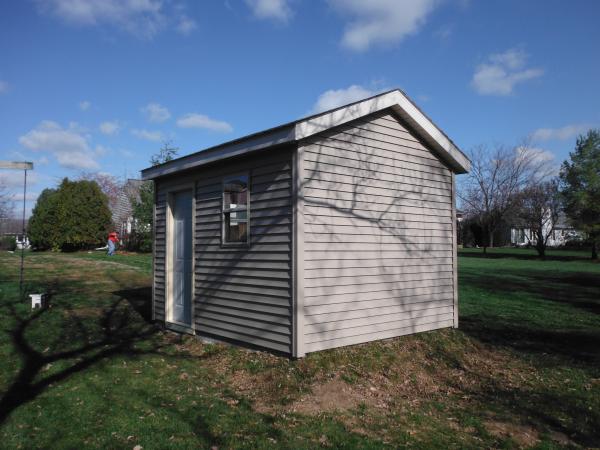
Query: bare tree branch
pixel 111 185
pixel 537 208
pixel 498 173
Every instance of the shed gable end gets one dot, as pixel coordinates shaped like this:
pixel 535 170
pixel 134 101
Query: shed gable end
pixel 378 234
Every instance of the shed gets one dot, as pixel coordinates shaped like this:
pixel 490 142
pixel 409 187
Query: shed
pixel 332 230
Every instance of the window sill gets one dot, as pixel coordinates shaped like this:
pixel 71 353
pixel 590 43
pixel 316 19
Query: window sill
pixel 235 244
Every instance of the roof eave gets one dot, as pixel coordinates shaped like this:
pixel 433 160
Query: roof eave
pixel 275 137
pixel 292 132
pixel 406 109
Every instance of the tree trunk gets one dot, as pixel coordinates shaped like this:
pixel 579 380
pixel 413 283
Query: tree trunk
pixel 540 245
pixel 595 251
pixel 541 249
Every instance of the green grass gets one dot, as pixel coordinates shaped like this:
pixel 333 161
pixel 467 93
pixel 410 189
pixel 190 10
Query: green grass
pixel 94 372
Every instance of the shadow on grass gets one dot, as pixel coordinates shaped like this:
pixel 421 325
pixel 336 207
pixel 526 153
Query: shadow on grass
pixel 140 300
pixel 574 346
pixel 116 336
pixel 524 257
pixel 569 340
pixel 539 410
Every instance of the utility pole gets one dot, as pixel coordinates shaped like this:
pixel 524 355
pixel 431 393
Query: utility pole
pixel 24 166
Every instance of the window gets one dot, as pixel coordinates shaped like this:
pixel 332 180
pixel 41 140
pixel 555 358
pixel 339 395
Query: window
pixel 235 210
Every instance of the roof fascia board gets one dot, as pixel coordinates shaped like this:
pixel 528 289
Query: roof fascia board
pixel 405 108
pixel 277 137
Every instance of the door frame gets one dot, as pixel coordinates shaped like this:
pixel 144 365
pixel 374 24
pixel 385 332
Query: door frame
pixel 169 267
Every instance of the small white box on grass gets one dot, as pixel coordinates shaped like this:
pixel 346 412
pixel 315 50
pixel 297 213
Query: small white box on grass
pixel 38 300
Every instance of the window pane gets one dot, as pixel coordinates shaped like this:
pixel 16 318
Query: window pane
pixel 236 192
pixel 236 226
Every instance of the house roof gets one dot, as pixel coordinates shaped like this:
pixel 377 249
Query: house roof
pixel 122 209
pixel 291 132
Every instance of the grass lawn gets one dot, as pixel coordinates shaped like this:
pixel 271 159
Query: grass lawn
pixel 92 371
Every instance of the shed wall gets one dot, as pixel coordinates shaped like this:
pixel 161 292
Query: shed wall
pixel 378 234
pixel 241 294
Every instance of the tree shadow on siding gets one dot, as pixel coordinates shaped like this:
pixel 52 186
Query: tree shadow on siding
pixel 370 209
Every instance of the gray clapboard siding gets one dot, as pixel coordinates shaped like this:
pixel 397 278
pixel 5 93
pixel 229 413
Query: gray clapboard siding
pixel 352 256
pixel 328 154
pixel 376 316
pixel 244 293
pixel 316 333
pixel 415 178
pixel 378 236
pixel 375 335
pixel 438 299
pixel 380 263
pixel 159 254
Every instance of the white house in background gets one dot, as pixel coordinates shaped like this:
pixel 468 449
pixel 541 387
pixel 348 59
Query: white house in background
pixel 562 231
pixel 18 238
pixel 122 210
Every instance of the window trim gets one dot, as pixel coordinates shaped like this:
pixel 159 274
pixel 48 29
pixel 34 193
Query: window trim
pixel 227 210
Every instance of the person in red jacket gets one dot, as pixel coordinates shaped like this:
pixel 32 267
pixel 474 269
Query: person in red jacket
pixel 112 239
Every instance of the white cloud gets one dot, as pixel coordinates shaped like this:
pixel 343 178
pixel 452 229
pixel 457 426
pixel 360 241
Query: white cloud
pixel 155 136
pixel 546 134
pixel 127 154
pixel 31 196
pixel 200 121
pixel 154 112
pixel 101 150
pixel 69 147
pixel 381 21
pixel 142 18
pixel 3 86
pixel 444 32
pixel 334 99
pixel 504 71
pixel 540 154
pixel 14 178
pixel 84 106
pixel 277 10
pixel 43 161
pixel 186 25
pixel 110 128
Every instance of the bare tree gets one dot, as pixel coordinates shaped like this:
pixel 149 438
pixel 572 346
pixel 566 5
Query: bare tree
pixel 111 185
pixel 497 174
pixel 537 208
pixel 7 205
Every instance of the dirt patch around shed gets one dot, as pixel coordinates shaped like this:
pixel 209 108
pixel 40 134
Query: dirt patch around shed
pixel 87 312
pixel 522 435
pixel 333 396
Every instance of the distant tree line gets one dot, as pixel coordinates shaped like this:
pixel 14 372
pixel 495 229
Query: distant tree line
pixel 517 186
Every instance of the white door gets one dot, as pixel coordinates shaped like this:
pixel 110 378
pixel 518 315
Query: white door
pixel 181 303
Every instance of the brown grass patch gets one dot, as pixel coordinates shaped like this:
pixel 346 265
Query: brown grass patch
pixel 408 372
pixel 522 435
pixel 333 396
pixel 87 312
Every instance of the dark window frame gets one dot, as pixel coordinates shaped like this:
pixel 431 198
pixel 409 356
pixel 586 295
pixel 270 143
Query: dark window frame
pixel 225 211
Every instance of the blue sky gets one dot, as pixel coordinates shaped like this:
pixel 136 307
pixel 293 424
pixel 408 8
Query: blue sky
pixel 98 85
